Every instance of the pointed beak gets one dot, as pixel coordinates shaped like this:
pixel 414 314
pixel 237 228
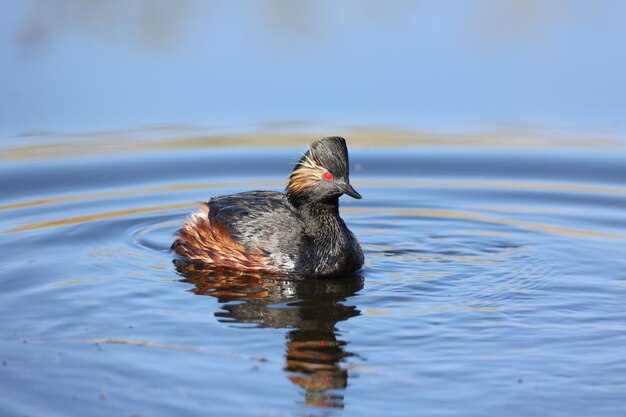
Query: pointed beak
pixel 349 190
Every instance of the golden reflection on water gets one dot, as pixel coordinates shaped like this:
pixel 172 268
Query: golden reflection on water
pixel 391 211
pixel 98 216
pixel 496 185
pixel 164 138
pixel 458 215
pixel 443 214
pixel 310 309
pixel 555 187
pixel 137 191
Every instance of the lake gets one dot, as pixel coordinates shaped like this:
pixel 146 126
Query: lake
pixel 487 138
pixel 494 284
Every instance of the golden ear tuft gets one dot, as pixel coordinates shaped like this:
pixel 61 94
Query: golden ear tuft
pixel 306 175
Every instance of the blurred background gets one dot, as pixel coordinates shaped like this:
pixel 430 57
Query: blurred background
pixel 487 137
pixel 538 66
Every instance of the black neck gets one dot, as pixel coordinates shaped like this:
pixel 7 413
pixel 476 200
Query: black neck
pixel 319 210
pixel 332 248
pixel 323 223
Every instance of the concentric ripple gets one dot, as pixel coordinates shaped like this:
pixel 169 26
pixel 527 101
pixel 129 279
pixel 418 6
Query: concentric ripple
pixel 471 285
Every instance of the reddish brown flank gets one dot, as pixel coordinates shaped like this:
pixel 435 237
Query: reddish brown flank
pixel 210 243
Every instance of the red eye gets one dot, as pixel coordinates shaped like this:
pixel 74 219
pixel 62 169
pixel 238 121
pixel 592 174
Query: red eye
pixel 328 176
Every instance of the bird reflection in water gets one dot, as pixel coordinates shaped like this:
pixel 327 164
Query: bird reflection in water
pixel 309 307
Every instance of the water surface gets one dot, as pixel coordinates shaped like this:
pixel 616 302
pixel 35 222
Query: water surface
pixel 494 285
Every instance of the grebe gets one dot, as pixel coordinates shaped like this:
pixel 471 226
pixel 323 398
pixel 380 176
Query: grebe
pixel 298 231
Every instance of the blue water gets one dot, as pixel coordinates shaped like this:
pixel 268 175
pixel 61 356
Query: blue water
pixel 487 138
pixel 494 285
